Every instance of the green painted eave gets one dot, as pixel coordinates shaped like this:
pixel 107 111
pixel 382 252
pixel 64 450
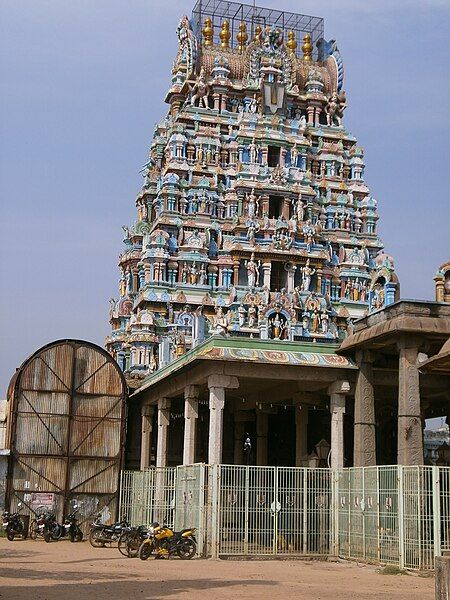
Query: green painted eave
pixel 218 348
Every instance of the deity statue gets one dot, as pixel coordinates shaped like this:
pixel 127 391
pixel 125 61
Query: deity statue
pixel 184 273
pixel 252 314
pixel 253 105
pixel 252 271
pixel 193 274
pixel 308 232
pixel 315 320
pixel 307 272
pixel 324 321
pixel 202 275
pixel 335 108
pixel 241 312
pixel 253 150
pixel 221 322
pixel 299 209
pixel 153 364
pixel 294 155
pixel 252 204
pixel 200 91
pixel 277 327
pixel 253 228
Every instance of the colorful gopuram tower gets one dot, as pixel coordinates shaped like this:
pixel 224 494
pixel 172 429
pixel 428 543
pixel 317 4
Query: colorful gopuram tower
pixel 254 218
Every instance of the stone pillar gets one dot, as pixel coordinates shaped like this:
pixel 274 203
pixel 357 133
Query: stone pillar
pixel 217 385
pixel 146 435
pixel 262 426
pixel 364 453
pixel 410 435
pixel 291 279
pixel 216 98
pixel 301 433
pixel 337 392
pixel 190 423
pixel 310 112
pixel 163 426
pixel 266 267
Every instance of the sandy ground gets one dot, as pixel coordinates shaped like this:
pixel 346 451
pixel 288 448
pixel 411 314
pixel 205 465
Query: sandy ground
pixel 34 570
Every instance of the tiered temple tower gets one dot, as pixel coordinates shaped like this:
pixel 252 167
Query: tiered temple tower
pixel 254 218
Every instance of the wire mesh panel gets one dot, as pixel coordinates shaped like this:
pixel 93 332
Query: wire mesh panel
pixel 190 500
pixel 444 508
pixel 147 496
pixel 232 509
pixel 388 515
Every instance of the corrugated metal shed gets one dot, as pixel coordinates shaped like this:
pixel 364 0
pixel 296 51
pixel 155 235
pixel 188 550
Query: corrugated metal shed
pixel 66 430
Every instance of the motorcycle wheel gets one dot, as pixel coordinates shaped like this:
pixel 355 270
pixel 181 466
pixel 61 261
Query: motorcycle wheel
pixel 57 532
pixel 186 549
pixel 34 529
pixel 123 542
pixel 134 544
pixel 47 536
pixel 10 533
pixel 79 536
pixel 145 551
pixel 95 539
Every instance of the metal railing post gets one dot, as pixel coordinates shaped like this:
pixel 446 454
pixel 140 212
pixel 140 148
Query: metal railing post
pixel 400 516
pixel 436 486
pixel 215 519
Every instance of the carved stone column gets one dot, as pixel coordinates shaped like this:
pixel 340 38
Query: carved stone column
pixel 146 435
pixel 217 385
pixel 163 426
pixel 410 435
pixel 266 268
pixel 337 392
pixel 190 423
pixel 310 112
pixel 262 426
pixel 364 452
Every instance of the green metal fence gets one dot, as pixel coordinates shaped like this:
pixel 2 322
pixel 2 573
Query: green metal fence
pixel 383 515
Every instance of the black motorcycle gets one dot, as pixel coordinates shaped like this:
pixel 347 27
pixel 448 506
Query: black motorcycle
pixel 131 539
pixel 52 529
pixel 14 525
pixel 71 529
pixel 102 534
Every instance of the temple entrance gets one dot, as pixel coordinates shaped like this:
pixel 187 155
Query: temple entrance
pixel 281 438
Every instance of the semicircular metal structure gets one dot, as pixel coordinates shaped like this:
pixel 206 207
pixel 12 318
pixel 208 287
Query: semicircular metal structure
pixel 68 404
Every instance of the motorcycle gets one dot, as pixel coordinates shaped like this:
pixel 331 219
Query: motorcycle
pixel 13 524
pixel 166 542
pixel 70 527
pixel 102 534
pixel 37 525
pixel 52 529
pixel 131 539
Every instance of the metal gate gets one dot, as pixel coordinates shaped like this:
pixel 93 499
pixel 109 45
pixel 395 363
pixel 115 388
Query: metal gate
pixel 66 432
pixel 273 510
pixel 191 499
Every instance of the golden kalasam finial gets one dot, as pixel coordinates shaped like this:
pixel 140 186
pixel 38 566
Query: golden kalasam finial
pixel 291 42
pixel 307 48
pixel 208 33
pixel 225 35
pixel 242 36
pixel 258 34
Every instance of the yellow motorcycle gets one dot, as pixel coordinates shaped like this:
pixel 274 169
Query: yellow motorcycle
pixel 163 541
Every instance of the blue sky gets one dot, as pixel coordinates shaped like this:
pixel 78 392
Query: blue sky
pixel 82 85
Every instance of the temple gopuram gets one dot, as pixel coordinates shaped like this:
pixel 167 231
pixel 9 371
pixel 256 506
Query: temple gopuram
pixel 254 251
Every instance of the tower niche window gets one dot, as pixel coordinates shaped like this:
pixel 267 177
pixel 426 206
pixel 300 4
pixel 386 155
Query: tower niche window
pixel 273 156
pixel 278 276
pixel 275 207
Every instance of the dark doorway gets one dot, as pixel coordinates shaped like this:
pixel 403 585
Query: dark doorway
pixel 278 276
pixel 273 156
pixel 281 438
pixel 275 207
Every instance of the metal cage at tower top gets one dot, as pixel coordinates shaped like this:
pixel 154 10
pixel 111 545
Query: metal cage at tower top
pixel 236 13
